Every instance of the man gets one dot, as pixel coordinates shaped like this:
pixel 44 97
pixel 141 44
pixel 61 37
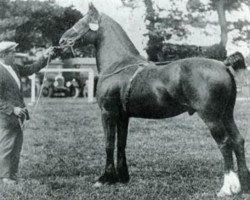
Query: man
pixel 12 108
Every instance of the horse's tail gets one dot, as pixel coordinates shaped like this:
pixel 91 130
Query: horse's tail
pixel 232 98
pixel 236 61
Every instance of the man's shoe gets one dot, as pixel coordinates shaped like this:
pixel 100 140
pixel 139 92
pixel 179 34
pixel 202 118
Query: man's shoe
pixel 8 181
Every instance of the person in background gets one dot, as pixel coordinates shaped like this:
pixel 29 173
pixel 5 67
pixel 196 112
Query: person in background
pixel 13 111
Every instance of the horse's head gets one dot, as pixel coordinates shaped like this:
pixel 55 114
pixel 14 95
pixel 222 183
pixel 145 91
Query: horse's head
pixel 86 27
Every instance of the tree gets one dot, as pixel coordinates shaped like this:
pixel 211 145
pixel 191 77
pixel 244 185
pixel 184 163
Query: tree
pixel 221 7
pixel 45 26
pixel 161 29
pixel 37 24
pixel 157 27
pixel 16 12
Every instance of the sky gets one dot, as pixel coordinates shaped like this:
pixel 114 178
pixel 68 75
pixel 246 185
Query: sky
pixel 133 23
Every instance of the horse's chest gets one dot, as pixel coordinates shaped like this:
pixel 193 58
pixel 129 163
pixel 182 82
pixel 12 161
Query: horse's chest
pixel 108 95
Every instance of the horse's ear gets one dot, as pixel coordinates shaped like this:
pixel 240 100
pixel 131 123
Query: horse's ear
pixel 94 18
pixel 92 8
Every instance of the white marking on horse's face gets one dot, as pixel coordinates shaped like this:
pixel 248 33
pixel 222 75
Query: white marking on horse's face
pixel 231 185
pixel 93 26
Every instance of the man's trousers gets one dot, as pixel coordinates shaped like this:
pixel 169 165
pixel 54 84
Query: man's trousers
pixel 11 141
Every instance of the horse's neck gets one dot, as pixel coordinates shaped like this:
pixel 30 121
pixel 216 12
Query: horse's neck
pixel 114 46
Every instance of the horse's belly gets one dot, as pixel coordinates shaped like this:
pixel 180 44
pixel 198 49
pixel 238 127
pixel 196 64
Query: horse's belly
pixel 150 97
pixel 157 113
pixel 151 107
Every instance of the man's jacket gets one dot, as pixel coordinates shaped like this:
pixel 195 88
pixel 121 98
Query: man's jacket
pixel 10 94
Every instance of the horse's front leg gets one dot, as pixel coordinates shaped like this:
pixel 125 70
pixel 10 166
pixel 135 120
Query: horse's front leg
pixel 109 122
pixel 122 132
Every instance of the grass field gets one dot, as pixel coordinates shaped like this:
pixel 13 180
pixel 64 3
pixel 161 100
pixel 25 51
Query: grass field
pixel 175 158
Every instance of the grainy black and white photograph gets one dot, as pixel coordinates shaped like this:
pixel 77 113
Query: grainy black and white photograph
pixel 124 99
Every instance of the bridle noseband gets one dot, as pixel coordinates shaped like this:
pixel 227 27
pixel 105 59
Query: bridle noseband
pixel 76 30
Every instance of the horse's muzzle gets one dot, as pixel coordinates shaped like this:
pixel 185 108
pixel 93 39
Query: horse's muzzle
pixel 62 42
pixel 66 42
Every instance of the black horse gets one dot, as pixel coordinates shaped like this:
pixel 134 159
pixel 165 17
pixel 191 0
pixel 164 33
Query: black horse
pixel 130 86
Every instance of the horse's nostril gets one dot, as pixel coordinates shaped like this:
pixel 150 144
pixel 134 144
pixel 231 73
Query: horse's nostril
pixel 62 41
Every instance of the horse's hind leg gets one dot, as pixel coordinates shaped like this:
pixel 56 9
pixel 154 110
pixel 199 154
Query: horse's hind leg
pixel 238 148
pixel 122 132
pixel 216 126
pixel 109 122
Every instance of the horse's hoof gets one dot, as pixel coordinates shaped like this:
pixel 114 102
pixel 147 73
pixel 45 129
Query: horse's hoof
pixel 228 191
pixel 124 179
pixel 123 174
pixel 97 184
pixel 108 178
pixel 222 194
pixel 231 185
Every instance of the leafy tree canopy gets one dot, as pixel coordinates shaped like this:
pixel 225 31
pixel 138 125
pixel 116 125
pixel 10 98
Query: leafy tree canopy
pixel 35 24
pixel 174 21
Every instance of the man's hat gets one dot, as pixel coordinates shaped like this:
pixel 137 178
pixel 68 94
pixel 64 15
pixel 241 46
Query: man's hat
pixel 7 46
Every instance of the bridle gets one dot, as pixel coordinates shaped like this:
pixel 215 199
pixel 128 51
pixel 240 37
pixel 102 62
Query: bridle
pixel 67 46
pixel 71 45
pixel 76 29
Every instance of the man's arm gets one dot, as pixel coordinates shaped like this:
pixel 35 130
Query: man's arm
pixel 38 65
pixel 28 70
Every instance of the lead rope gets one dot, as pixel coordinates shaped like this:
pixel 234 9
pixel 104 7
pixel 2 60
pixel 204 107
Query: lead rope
pixel 25 123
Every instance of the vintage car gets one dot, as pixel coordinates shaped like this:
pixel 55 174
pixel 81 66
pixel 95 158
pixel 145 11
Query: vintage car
pixel 67 84
pixel 82 77
pixel 58 84
pixel 59 87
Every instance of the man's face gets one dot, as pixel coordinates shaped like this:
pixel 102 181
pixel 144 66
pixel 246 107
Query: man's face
pixel 9 57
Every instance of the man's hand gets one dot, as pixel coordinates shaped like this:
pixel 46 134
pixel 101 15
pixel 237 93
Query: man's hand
pixel 50 52
pixel 20 112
